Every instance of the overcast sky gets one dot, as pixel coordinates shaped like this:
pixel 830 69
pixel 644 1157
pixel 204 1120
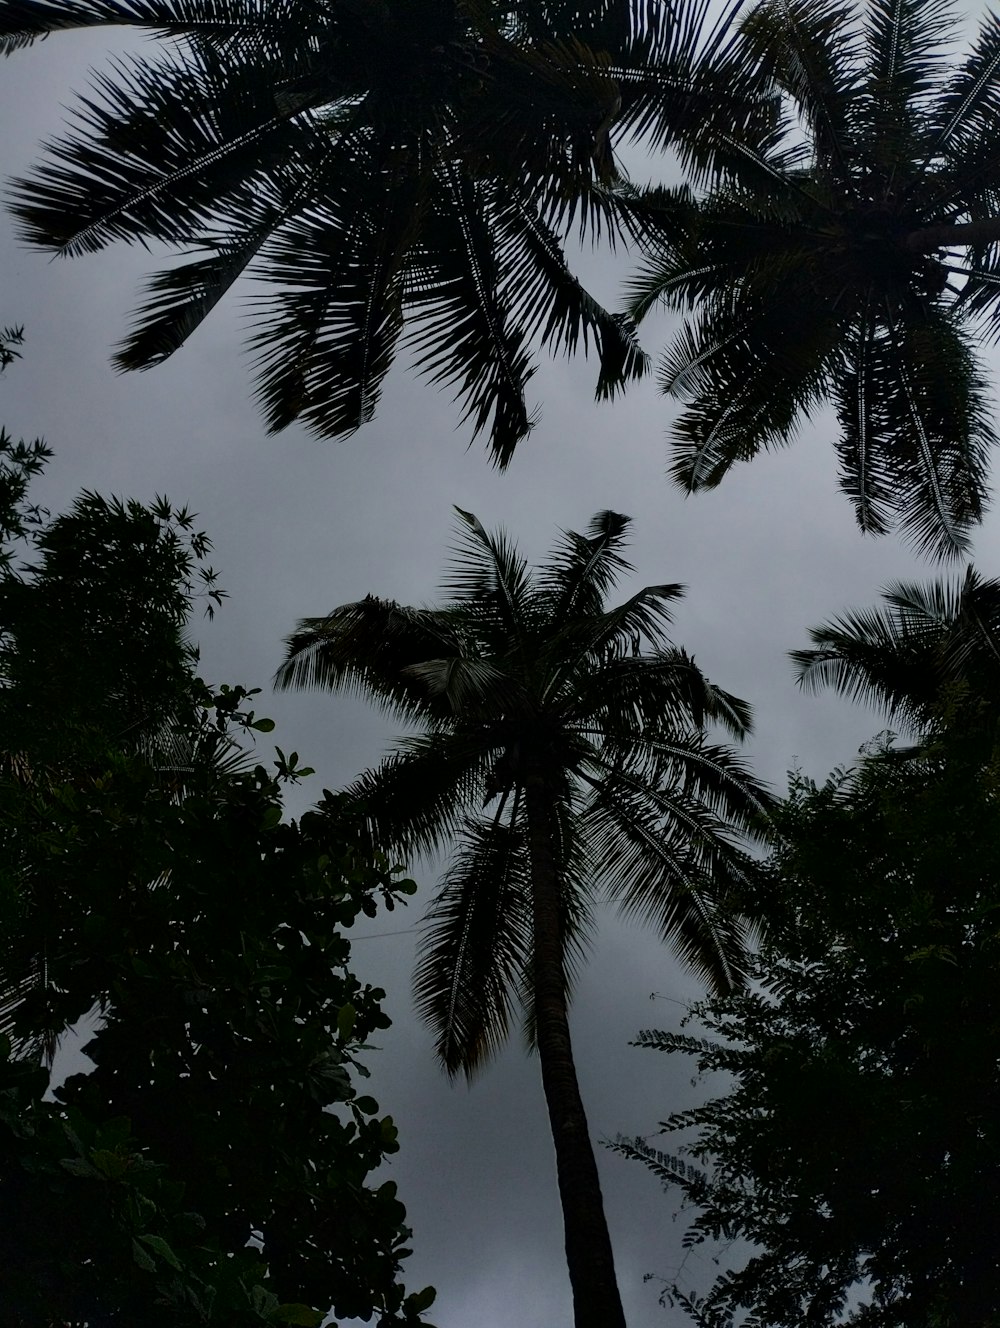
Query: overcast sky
pixel 300 526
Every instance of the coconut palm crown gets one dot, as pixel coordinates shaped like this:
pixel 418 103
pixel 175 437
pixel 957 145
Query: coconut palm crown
pixel 848 253
pixel 563 755
pixel 388 173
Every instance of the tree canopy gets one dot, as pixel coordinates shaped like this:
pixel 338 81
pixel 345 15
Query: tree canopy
pixel 855 1148
pixel 213 1166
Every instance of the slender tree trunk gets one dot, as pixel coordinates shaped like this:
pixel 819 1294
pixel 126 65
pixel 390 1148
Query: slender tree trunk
pixel 596 1301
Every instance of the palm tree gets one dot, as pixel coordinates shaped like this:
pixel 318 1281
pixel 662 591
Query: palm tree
pixel 562 747
pixel 846 252
pixel 931 651
pixel 380 168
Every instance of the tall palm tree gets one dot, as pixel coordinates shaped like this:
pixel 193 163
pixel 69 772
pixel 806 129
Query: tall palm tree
pixel 930 650
pixel 388 171
pixel 563 750
pixel 848 251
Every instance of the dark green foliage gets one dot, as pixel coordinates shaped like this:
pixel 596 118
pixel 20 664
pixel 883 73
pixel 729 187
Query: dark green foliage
pixel 845 251
pixel 857 1147
pixel 213 1168
pixel 102 575
pixel 210 934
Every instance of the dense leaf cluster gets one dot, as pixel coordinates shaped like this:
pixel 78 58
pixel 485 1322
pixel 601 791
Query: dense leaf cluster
pixel 857 1147
pixel 214 1165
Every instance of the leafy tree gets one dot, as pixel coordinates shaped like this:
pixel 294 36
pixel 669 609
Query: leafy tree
pixel 562 748
pixel 106 572
pixel 382 167
pixel 845 251
pixel 214 1165
pixel 856 1145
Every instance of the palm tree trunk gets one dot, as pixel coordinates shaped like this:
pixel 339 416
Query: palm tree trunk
pixel 596 1301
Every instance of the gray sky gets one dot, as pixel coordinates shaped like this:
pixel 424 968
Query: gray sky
pixel 300 526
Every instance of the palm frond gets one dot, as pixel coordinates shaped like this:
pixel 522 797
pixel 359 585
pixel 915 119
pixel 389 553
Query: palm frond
pixel 163 151
pixel 629 695
pixel 713 774
pixel 904 44
pixel 936 411
pixel 462 330
pixel 470 686
pixel 24 980
pixel 419 798
pixel 326 338
pixel 552 304
pixel 809 49
pixel 889 658
pixel 859 392
pixel 369 648
pixel 669 861
pixel 640 622
pixel 182 297
pixel 751 381
pixel 908 657
pixel 24 21
pixel 684 67
pixel 974 645
pixel 476 946
pixel 581 569
pixel 969 99
pixel 545 110
pixel 490 578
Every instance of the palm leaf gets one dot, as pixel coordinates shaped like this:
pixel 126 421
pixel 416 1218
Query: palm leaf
pixel 415 802
pixel 369 648
pixel 682 66
pixel 476 946
pixel 711 774
pixel 490 579
pixel 582 568
pixel 859 393
pixel 969 99
pixel 755 379
pixel 640 621
pixel 908 657
pixel 935 409
pixel 553 305
pixel 327 336
pixel 904 41
pixel 809 50
pixel 889 658
pixel 627 695
pixel 163 151
pixel 462 330
pixel 24 21
pixel 666 860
